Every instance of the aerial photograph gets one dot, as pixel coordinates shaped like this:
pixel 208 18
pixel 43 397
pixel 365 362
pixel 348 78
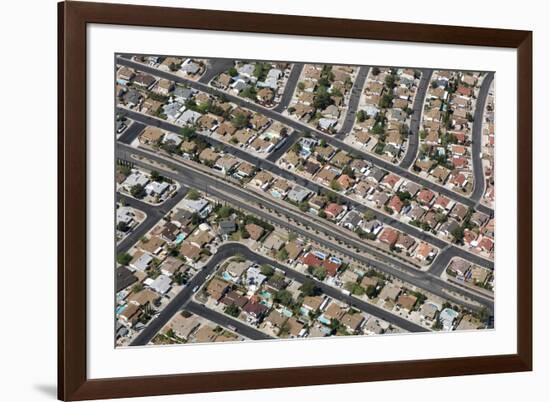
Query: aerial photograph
pixel 264 200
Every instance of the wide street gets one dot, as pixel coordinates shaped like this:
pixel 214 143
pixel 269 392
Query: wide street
pixel 416 118
pixel 277 170
pixel 301 127
pixel 479 175
pixel 241 198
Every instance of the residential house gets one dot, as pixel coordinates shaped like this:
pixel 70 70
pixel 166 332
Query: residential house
pixel 216 288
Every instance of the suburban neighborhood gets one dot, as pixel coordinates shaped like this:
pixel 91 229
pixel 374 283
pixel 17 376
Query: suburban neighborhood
pixel 261 200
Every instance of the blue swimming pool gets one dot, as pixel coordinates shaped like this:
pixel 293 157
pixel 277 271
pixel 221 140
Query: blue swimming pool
pixel 266 295
pixel 180 238
pixel 120 309
pixel 286 312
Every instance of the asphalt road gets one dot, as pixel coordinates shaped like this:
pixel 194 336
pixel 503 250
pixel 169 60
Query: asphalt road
pixel 289 141
pixel 275 169
pixel 441 261
pixel 479 176
pixel 384 263
pixel 131 132
pixel 296 125
pixel 183 297
pixel 214 68
pixel 354 101
pixel 154 215
pixel 289 87
pixel 416 118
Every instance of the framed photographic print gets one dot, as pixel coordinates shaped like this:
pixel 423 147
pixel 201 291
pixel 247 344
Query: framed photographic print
pixel 253 200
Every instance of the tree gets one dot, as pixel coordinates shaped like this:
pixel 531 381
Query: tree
pixel 233 72
pixel 322 214
pixel 180 278
pixel 390 80
pixel 232 310
pixel 138 191
pixel 385 101
pixel 283 297
pixel 193 195
pixel 267 270
pixel 310 289
pixel 195 218
pixel 483 315
pixel 301 86
pixel 378 129
pixel 249 92
pixel 282 254
pixel 259 70
pixel 296 147
pixel 124 258
pixel 125 169
pixel 458 234
pixel 440 217
pixel 244 233
pixel 371 291
pixel 362 116
pixel 335 185
pixel 404 195
pixel 240 121
pixel 320 273
pixel 188 132
pixel 375 71
pixel 138 287
pixel 354 288
pixel 155 176
pixel 225 211
pixel 369 215
pixel 122 226
pixel 322 99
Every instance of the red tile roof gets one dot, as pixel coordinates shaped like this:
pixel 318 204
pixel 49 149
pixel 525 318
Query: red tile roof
pixel 334 209
pixel 396 204
pixel 389 236
pixel 425 196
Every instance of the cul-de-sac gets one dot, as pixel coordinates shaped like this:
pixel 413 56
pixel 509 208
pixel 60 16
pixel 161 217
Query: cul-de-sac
pixel 261 200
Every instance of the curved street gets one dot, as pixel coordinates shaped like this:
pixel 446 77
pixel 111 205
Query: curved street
pixel 183 299
pixel 477 162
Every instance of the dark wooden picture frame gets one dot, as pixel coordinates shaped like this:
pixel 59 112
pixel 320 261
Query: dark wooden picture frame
pixel 73 17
